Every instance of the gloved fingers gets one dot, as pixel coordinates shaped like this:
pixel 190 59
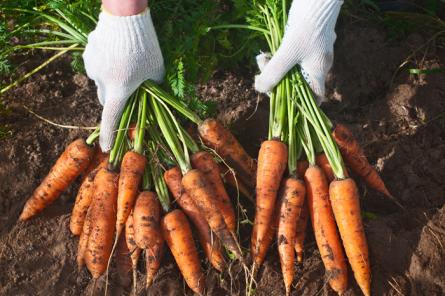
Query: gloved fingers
pixel 111 115
pixel 316 79
pixel 262 59
pixel 282 61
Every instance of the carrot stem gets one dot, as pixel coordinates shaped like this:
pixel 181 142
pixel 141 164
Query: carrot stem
pixel 93 137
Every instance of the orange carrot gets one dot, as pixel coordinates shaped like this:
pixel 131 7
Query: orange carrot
pixel 229 177
pixel 272 160
pixel 211 245
pixel 225 144
pixel 83 200
pixel 132 170
pixel 135 251
pixel 146 219
pixel 268 239
pixel 300 234
pixel 325 229
pixel 355 158
pixel 346 206
pixel 153 258
pixel 83 239
pixel 293 196
pixel 198 188
pixel 178 235
pixel 103 219
pixel 73 161
pixel 204 162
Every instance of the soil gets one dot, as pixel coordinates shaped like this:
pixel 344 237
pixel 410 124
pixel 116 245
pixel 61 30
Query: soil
pixel 399 120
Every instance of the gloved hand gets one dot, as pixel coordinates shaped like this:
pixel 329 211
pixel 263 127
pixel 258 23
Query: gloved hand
pixel 308 41
pixel 122 52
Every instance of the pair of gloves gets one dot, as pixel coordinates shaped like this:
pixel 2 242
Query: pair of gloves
pixel 123 51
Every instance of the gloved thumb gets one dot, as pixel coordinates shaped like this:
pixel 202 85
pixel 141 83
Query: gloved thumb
pixel 111 115
pixel 275 69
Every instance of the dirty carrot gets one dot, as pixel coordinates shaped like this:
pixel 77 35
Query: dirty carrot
pixel 73 161
pixel 293 196
pixel 325 229
pixel 83 200
pixel 300 234
pixel 226 145
pixel 211 245
pixel 202 193
pixel 272 159
pixel 83 239
pixel 204 162
pixel 135 251
pixel 268 239
pixel 178 235
pixel 132 170
pixel 345 202
pixel 356 159
pixel 103 219
pixel 147 234
pixel 153 258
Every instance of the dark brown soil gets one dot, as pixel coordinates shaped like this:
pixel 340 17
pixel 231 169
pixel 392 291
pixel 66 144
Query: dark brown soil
pixel 398 119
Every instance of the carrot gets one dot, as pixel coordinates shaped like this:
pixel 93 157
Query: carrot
pixel 198 188
pixel 229 178
pixel 300 234
pixel 83 200
pixel 147 234
pixel 204 162
pixel 325 230
pixel 302 166
pixel 272 159
pixel 356 159
pixel 261 252
pixel 293 196
pixel 153 258
pixel 132 170
pixel 346 206
pixel 135 251
pixel 103 219
pixel 83 239
pixel 73 161
pixel 210 245
pixel 178 235
pixel 225 144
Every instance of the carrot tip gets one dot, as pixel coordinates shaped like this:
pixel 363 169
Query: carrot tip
pixel 299 258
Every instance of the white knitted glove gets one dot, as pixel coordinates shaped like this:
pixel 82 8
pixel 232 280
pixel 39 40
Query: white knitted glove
pixel 122 52
pixel 308 41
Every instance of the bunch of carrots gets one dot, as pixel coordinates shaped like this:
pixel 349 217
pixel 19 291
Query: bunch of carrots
pixel 123 207
pixel 303 142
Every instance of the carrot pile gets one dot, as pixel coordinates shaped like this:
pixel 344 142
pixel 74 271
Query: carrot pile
pixel 123 208
pixel 158 186
pixel 301 174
